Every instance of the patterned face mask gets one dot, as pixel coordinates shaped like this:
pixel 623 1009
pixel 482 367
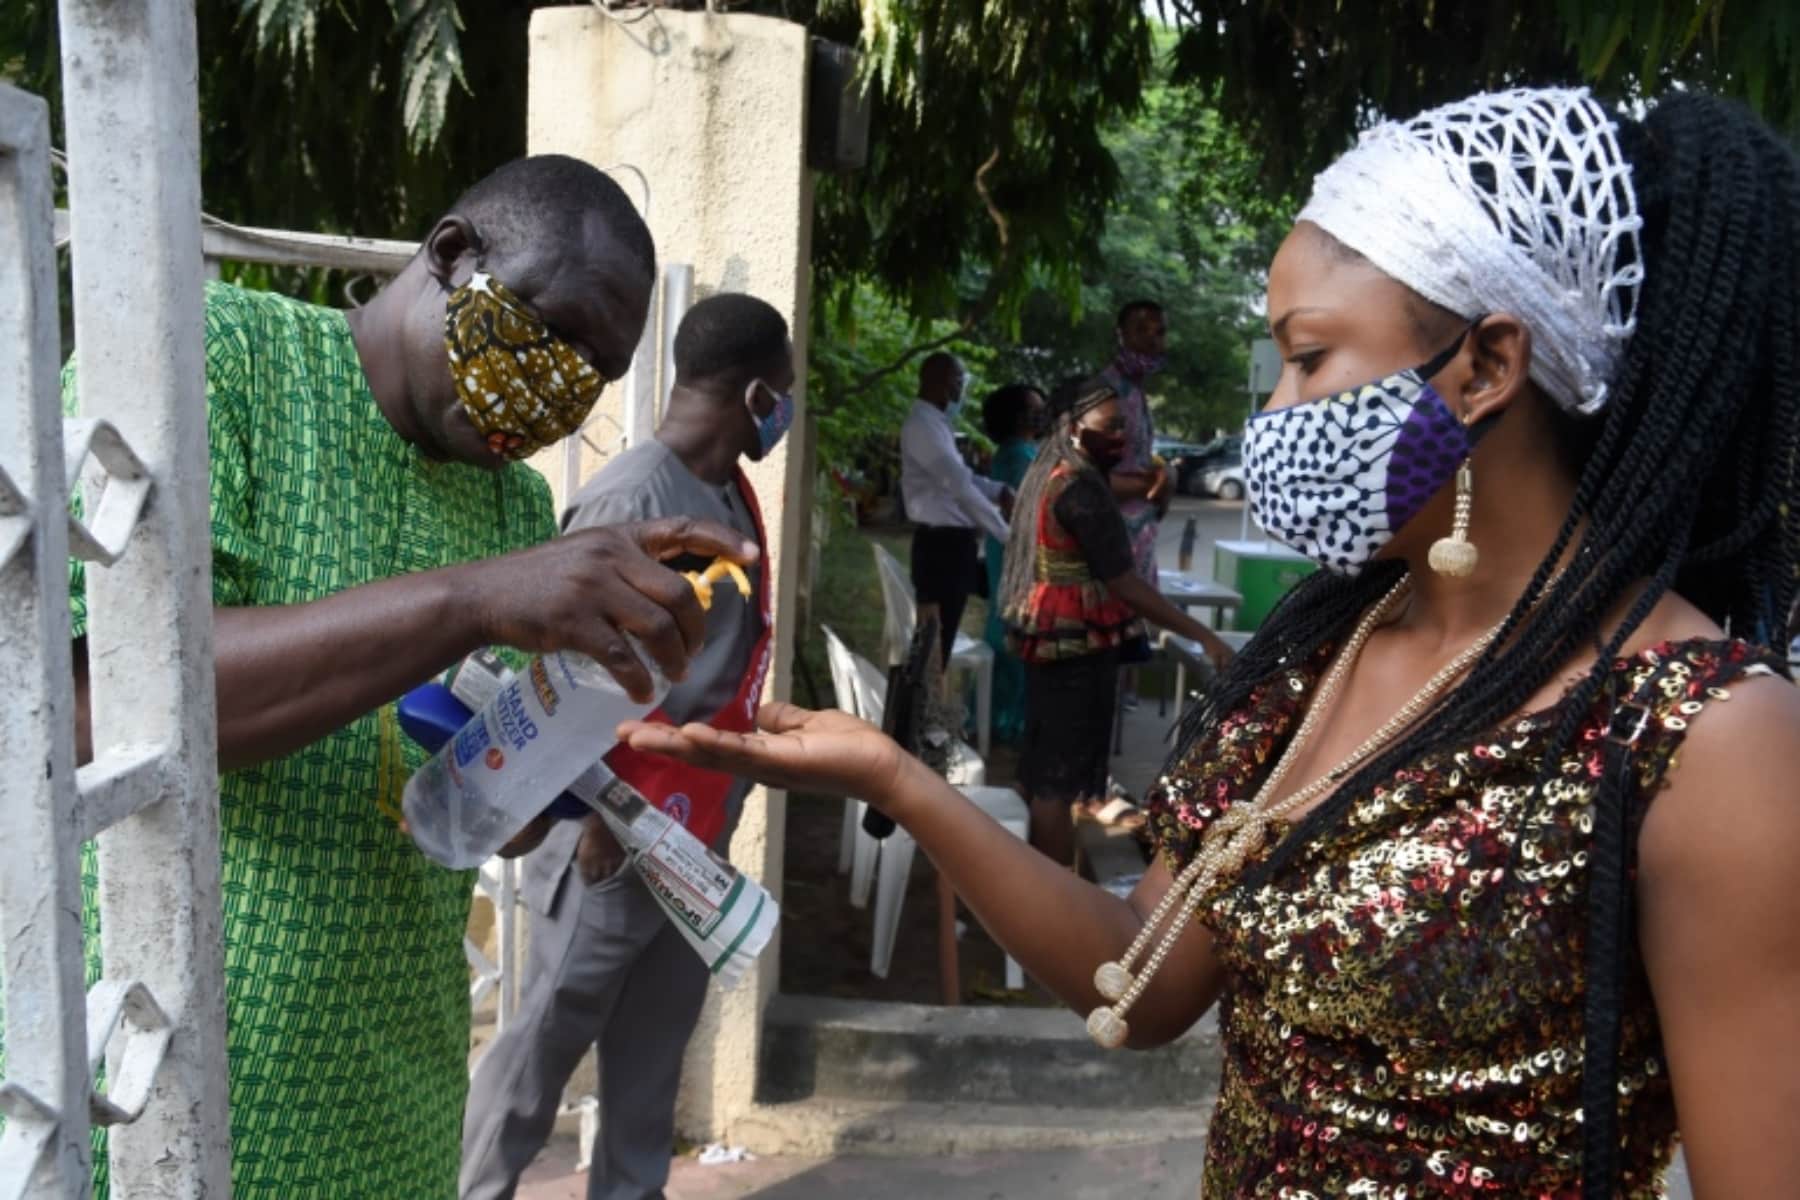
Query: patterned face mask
pixel 1135 364
pixel 772 428
pixel 523 387
pixel 1336 478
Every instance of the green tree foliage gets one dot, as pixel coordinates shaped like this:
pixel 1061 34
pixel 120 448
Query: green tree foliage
pixel 369 116
pixel 1300 77
pixel 986 153
pixel 862 381
pixel 345 116
pixel 1190 228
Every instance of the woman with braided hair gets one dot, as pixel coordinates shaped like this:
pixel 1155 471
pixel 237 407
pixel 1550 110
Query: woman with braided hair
pixel 1483 844
pixel 1073 603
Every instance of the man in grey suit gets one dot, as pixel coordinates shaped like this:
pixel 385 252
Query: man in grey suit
pixel 606 966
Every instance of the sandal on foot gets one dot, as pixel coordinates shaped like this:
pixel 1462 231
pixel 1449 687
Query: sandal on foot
pixel 1119 812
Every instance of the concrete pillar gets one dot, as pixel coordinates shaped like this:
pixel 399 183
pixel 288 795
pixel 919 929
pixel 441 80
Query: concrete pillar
pixel 712 109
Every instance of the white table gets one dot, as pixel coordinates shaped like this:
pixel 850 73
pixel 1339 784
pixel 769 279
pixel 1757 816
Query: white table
pixel 1185 591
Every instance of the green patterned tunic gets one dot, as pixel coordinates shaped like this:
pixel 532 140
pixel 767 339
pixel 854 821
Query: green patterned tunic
pixel 347 989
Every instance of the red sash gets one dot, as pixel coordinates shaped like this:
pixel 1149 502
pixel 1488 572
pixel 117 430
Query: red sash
pixel 692 796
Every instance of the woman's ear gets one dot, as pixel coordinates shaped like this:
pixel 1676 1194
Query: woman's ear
pixel 450 242
pixel 1498 355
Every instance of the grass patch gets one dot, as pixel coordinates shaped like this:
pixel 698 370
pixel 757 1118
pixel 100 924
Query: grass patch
pixel 847 597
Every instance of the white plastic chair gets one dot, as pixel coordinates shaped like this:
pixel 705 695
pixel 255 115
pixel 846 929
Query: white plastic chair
pixel 1004 805
pixel 901 615
pixel 1006 808
pixel 851 852
pixel 966 768
pixel 857 851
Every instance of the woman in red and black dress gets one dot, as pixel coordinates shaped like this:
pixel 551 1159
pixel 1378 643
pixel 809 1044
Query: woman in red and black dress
pixel 1073 604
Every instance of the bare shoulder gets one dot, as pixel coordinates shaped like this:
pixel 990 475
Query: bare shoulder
pixel 1718 938
pixel 1673 619
pixel 1733 797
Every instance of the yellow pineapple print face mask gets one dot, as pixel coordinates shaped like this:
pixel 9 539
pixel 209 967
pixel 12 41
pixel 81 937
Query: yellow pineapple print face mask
pixel 523 387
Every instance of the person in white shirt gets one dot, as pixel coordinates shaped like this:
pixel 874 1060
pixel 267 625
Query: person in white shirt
pixel 949 503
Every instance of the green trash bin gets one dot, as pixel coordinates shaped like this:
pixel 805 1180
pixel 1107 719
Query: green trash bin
pixel 1263 572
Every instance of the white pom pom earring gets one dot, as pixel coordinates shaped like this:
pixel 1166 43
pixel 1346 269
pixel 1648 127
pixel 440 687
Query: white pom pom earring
pixel 1456 555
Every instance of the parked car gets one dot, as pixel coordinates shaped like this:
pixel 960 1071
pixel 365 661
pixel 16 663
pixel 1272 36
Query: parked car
pixel 1190 471
pixel 1170 449
pixel 1226 481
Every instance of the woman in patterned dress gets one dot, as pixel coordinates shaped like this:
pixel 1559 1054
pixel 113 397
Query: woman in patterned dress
pixel 1074 606
pixel 1482 845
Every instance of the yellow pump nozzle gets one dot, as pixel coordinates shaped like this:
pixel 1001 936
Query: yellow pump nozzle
pixel 721 568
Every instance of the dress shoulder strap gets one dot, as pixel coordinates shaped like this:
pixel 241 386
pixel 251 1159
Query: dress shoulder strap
pixel 1657 692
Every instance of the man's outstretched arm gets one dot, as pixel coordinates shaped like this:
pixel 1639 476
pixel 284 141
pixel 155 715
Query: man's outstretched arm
pixel 288 675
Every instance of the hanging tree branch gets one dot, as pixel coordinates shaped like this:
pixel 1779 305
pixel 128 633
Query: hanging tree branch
pixel 978 312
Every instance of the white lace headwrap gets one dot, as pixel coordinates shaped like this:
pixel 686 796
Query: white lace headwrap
pixel 1517 202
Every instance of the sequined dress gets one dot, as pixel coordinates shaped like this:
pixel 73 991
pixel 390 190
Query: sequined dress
pixel 1395 1024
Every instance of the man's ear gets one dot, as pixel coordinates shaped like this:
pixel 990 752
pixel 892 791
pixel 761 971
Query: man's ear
pixel 1498 368
pixel 451 243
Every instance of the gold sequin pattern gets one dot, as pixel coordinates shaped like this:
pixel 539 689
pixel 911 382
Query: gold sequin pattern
pixel 1398 1021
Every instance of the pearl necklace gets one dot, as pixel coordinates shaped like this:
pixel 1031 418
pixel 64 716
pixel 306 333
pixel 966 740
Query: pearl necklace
pixel 1241 828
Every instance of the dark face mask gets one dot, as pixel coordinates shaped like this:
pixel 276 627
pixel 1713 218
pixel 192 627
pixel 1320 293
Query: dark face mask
pixel 1106 450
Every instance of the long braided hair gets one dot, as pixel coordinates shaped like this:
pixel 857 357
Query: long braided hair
pixel 1686 480
pixel 1068 402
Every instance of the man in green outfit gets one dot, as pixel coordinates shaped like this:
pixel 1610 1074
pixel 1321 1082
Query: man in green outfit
pixel 371 525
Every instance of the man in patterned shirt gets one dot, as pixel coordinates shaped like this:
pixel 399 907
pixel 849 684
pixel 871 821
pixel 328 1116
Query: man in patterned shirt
pixel 1143 489
pixel 371 525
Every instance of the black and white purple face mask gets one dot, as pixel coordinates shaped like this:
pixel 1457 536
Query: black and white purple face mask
pixel 1336 478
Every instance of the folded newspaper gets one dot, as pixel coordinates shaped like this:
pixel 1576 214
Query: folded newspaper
pixel 726 916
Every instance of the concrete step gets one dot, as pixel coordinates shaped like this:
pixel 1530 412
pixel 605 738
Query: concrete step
pixel 821 1048
pixel 824 1127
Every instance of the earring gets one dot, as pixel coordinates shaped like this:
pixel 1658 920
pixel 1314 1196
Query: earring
pixel 1456 555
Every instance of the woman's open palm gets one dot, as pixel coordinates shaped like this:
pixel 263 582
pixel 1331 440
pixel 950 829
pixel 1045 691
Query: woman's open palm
pixel 827 751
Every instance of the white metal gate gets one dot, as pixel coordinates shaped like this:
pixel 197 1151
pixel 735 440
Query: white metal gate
pixel 156 1018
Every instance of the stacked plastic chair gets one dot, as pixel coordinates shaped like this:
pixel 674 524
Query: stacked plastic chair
pixel 971 655
pixel 886 865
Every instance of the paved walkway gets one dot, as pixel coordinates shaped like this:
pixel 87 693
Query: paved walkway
pixel 1155 1170
pixel 1160 1169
